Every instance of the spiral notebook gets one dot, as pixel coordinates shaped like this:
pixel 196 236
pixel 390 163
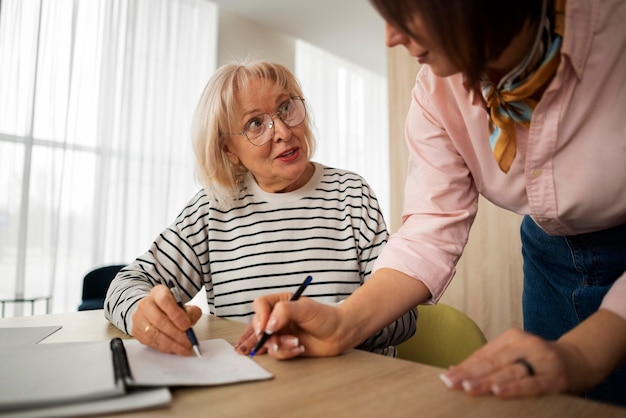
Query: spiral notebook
pixel 34 377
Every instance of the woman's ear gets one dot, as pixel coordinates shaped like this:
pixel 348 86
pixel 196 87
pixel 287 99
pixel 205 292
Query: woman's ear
pixel 232 157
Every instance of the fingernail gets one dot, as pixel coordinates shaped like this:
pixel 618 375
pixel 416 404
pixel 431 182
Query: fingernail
pixel 269 328
pixel 446 381
pixel 275 347
pixel 467 385
pixel 495 389
pixel 257 330
pixel 295 342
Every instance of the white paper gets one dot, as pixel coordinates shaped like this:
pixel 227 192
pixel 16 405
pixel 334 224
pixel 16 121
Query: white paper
pixel 220 364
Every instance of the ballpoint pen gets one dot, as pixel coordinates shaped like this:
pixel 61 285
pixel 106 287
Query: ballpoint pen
pixel 190 334
pixel 294 297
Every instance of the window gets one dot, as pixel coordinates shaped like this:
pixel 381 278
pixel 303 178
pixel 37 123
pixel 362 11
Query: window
pixel 349 107
pixel 95 158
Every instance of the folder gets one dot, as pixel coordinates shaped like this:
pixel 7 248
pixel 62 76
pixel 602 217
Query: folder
pixel 73 376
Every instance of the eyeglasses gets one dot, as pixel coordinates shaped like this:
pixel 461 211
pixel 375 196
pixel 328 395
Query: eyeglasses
pixel 260 129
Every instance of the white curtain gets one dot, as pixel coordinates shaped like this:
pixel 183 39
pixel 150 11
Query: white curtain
pixel 349 107
pixel 96 101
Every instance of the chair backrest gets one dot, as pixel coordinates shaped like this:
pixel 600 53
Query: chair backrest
pixel 444 337
pixel 95 286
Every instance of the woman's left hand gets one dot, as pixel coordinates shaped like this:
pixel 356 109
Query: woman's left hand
pixel 247 341
pixel 515 364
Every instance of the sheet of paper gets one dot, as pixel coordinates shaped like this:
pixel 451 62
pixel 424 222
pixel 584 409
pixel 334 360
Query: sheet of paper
pixel 220 364
pixel 25 335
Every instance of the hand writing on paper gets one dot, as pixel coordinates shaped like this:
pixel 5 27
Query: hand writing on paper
pixel 161 324
pixel 304 327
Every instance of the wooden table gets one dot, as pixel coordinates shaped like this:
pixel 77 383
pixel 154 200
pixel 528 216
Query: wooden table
pixel 355 384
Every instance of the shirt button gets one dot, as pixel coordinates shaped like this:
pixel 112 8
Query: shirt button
pixel 537 172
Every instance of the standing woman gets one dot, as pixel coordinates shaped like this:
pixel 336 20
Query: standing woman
pixel 521 102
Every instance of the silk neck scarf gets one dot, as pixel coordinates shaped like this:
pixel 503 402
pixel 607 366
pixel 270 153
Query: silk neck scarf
pixel 510 102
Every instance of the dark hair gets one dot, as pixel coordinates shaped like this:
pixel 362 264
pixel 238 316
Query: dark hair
pixel 471 32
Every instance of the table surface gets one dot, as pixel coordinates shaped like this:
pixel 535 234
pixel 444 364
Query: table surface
pixel 355 383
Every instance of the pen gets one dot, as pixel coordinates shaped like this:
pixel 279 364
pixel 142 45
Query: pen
pixel 120 362
pixel 190 334
pixel 295 297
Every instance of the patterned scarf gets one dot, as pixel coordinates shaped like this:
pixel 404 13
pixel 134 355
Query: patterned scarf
pixel 510 101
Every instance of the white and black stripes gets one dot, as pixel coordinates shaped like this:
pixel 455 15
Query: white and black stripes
pixel 332 228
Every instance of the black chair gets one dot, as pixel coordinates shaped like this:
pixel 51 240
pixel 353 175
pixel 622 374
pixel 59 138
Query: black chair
pixel 95 286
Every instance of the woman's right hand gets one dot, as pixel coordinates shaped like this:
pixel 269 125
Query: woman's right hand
pixel 161 324
pixel 299 328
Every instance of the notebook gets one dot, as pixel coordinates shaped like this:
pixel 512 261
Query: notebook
pixel 39 376
pixel 25 335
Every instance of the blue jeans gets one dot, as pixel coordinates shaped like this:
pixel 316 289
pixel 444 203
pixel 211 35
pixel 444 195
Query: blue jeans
pixel 565 279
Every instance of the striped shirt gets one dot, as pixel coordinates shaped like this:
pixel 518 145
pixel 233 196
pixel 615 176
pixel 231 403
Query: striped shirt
pixel 331 228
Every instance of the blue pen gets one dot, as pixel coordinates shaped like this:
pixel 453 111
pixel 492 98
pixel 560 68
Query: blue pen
pixel 190 334
pixel 295 296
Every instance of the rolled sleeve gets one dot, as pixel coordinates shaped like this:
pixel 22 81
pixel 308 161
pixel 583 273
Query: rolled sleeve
pixel 440 201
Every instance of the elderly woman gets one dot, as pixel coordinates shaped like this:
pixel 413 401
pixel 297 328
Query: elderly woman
pixel 266 217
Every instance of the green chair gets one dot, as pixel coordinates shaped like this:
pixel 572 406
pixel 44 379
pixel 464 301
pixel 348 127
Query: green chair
pixel 444 337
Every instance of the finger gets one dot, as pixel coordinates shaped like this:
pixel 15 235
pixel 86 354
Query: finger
pixel 152 337
pixel 245 335
pixel 513 372
pixel 194 313
pixel 152 327
pixel 246 341
pixel 542 371
pixel 263 307
pixel 524 387
pixel 167 316
pixel 285 347
pixel 165 301
pixel 149 334
pixel 494 356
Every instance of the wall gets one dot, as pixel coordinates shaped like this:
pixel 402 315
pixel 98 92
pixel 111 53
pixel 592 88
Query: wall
pixel 401 72
pixel 241 38
pixel 489 280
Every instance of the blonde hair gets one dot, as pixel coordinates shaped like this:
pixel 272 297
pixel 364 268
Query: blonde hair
pixel 215 117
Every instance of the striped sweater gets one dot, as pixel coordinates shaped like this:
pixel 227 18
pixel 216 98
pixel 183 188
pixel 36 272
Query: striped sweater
pixel 331 228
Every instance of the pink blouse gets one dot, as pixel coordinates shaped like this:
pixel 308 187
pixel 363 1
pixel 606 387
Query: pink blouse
pixel 569 173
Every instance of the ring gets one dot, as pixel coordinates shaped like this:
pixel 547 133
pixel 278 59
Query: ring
pixel 529 368
pixel 146 329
